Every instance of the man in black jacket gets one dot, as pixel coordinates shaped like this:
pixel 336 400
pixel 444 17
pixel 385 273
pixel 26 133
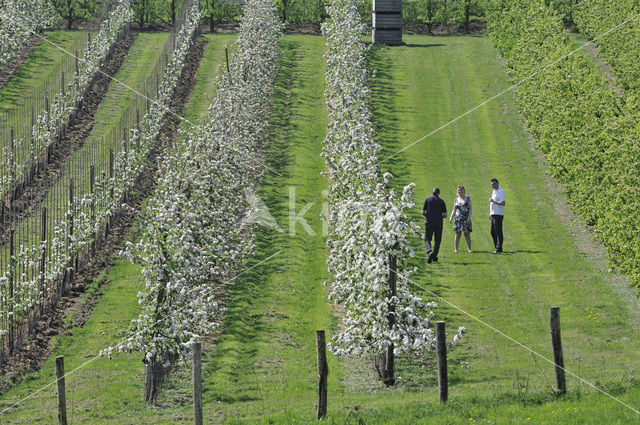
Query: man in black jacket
pixel 434 209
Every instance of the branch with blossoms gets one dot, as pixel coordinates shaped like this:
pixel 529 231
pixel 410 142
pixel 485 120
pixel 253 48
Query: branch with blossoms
pixel 18 19
pixel 195 236
pixel 47 123
pixel 369 228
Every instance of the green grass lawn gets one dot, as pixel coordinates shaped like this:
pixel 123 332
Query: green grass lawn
pixel 43 65
pixel 26 89
pixel 262 368
pixel 205 90
pixel 264 362
pixel 109 120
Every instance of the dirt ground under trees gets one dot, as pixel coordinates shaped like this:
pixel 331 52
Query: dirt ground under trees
pixel 37 348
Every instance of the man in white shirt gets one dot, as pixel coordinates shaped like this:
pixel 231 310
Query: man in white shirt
pixel 496 214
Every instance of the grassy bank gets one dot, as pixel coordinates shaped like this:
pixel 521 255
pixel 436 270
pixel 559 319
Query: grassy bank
pixel 39 69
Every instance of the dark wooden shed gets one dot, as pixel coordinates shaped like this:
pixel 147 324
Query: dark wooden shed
pixel 387 22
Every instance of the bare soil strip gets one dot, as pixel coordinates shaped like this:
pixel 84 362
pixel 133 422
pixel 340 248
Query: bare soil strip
pixel 37 349
pixel 74 138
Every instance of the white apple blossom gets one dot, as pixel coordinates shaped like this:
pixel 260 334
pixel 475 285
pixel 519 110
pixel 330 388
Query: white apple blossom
pixel 13 170
pixel 18 20
pixel 195 236
pixel 90 213
pixel 367 220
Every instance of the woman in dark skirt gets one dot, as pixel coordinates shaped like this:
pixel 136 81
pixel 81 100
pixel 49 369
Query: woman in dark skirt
pixel 462 212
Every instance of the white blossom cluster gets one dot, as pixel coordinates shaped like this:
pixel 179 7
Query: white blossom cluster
pixel 367 220
pixel 18 20
pixel 90 213
pixel 62 106
pixel 196 235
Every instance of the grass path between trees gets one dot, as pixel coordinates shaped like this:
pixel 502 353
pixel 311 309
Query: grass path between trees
pixel 42 60
pixel 424 85
pixel 263 365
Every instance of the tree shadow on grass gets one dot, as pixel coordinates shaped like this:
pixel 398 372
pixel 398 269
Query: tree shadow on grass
pixel 231 371
pixel 385 114
pixel 411 45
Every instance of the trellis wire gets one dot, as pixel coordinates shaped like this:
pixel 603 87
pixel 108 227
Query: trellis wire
pixel 32 254
pixel 17 124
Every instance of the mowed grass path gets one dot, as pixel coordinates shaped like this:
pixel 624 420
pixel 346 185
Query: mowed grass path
pixel 264 363
pixel 205 90
pixel 42 61
pixel 424 85
pixel 108 391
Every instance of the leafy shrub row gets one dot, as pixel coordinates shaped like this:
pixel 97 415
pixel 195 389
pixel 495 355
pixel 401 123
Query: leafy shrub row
pixel 620 47
pixel 589 136
pixel 197 220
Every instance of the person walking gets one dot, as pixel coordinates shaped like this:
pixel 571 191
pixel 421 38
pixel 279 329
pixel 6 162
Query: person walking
pixel 434 209
pixel 462 211
pixel 496 214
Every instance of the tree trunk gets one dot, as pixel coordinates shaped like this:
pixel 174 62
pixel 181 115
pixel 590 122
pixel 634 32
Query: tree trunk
pixel 69 14
pixel 444 14
pixel 389 377
pixel 153 378
pixel 467 7
pixel 211 11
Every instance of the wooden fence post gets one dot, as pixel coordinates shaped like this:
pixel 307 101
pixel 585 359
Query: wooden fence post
pixel 71 217
pixel 323 372
pixel 556 342
pixel 92 180
pixel 441 350
pixel 388 376
pixel 226 54
pixel 34 153
pixel 12 279
pixel 14 173
pixel 43 260
pixel 197 383
pixel 110 163
pixel 62 397
pixel 46 106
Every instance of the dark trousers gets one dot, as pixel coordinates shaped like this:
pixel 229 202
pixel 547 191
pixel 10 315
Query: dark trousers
pixel 433 231
pixel 496 231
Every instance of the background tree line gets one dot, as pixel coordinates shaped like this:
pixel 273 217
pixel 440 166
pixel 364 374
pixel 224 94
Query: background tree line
pixel 431 13
pixel 153 13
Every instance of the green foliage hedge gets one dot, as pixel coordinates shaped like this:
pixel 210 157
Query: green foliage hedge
pixel 589 136
pixel 620 48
